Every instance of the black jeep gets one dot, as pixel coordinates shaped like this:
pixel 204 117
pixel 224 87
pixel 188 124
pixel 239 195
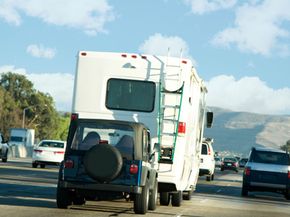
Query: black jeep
pixel 108 159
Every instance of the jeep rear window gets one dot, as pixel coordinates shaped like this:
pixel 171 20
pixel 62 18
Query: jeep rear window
pixel 89 134
pixel 130 95
pixel 270 158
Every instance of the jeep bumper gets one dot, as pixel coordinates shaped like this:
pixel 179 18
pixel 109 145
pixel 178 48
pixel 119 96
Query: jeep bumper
pixel 101 187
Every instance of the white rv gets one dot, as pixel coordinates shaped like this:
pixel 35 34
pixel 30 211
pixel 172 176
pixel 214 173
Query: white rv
pixel 164 93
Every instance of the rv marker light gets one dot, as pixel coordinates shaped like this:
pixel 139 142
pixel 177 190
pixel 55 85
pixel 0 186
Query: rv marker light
pixel 83 53
pixel 184 61
pixel 74 116
pixel 181 127
pixel 134 56
pixel 144 57
pixel 124 55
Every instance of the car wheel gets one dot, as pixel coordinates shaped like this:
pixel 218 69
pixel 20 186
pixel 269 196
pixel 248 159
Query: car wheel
pixel 222 169
pixel 34 165
pixel 142 200
pixel 42 166
pixel 164 198
pixel 212 176
pixel 103 162
pixel 63 198
pixel 176 198
pixel 244 191
pixel 287 194
pixel 4 159
pixel 186 195
pixel 208 178
pixel 153 194
pixel 79 200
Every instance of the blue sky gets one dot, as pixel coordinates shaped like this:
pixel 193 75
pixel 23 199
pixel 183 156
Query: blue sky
pixel 240 48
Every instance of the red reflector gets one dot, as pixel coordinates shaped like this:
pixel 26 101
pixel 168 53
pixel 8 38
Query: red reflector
pixel 181 127
pixel 37 151
pixel 144 57
pixel 74 116
pixel 68 164
pixel 248 171
pixel 59 152
pixel 184 61
pixel 134 169
pixel 134 56
pixel 83 53
pixel 288 174
pixel 124 55
pixel 209 151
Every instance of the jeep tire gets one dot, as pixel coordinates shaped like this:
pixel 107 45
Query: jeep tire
pixel 141 201
pixel 153 194
pixel 103 162
pixel 63 198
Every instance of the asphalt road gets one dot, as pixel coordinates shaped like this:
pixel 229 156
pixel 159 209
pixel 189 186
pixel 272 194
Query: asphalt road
pixel 25 191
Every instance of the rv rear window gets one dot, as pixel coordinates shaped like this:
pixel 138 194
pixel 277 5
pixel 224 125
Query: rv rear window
pixel 130 95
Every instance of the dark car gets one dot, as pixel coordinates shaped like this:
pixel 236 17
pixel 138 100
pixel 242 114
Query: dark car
pixel 108 159
pixel 230 163
pixel 3 149
pixel 242 162
pixel 267 170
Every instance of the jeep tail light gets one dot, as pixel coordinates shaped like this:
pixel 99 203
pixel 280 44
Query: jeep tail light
pixel 247 171
pixel 69 164
pixel 133 169
pixel 74 116
pixel 181 127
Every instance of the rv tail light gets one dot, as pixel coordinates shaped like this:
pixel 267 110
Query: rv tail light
pixel 83 54
pixel 74 116
pixel 69 164
pixel 184 61
pixel 123 55
pixel 181 127
pixel 247 171
pixel 134 56
pixel 209 151
pixel 133 169
pixel 37 151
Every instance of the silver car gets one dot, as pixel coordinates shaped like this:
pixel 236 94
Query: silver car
pixel 267 170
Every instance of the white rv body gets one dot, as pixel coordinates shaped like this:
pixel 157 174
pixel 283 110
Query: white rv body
pixel 95 69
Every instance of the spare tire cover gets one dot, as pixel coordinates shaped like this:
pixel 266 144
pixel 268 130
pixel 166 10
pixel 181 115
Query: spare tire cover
pixel 103 162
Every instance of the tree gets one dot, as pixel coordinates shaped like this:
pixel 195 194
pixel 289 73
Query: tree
pixel 286 147
pixel 19 99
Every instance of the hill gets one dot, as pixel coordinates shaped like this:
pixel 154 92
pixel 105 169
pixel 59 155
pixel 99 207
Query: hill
pixel 237 132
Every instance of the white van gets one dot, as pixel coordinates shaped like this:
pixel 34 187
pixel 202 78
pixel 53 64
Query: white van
pixel 207 161
pixel 164 93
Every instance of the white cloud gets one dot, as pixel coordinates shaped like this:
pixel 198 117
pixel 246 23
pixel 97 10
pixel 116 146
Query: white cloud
pixel 88 15
pixel 259 28
pixel 247 94
pixel 205 6
pixel 40 51
pixel 158 44
pixel 58 85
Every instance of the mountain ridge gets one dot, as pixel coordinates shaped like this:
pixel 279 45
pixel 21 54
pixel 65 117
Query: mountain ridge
pixel 238 132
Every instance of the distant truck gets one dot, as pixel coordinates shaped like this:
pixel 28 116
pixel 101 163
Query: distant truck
pixel 21 141
pixel 21 136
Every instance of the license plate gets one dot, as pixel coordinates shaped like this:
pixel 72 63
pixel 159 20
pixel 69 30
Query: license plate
pixel 229 164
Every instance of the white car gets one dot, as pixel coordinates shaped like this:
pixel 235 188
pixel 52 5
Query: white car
pixel 207 161
pixel 48 152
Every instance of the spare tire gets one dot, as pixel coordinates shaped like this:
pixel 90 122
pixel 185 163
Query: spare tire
pixel 103 162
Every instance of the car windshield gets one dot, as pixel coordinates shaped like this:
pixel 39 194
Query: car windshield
pixel 90 134
pixel 270 157
pixel 51 144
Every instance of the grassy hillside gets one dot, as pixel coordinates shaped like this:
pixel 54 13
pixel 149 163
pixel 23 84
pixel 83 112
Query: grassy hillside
pixel 239 131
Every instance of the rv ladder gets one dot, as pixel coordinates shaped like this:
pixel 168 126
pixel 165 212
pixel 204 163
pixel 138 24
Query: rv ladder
pixel 169 114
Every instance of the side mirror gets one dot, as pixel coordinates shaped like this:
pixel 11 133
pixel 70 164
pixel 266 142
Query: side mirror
pixel 156 149
pixel 209 119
